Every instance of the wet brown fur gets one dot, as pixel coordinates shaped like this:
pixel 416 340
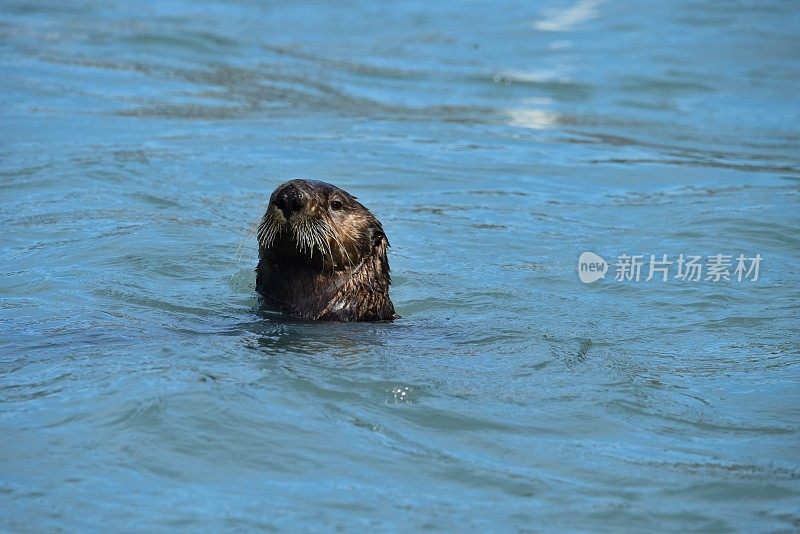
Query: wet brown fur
pixel 326 261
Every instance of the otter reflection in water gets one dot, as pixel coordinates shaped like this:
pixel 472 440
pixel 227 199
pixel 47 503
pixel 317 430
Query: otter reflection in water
pixel 322 255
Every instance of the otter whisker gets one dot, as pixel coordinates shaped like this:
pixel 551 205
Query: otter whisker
pixel 268 230
pixel 303 236
pixel 318 241
pixel 342 248
pixel 308 244
pixel 325 232
pixel 312 237
pixel 322 233
pixel 240 250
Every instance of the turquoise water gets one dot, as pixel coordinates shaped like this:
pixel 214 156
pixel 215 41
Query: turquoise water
pixel 142 388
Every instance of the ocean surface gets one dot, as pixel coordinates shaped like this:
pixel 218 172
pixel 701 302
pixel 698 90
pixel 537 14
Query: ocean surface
pixel 144 388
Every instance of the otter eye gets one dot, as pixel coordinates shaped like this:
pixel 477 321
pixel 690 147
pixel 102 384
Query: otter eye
pixel 336 205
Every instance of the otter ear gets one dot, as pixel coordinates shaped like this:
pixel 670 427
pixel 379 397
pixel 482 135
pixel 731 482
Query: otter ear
pixel 377 238
pixel 379 243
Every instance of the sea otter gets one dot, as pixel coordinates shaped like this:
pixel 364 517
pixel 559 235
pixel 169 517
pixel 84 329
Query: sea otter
pixel 322 255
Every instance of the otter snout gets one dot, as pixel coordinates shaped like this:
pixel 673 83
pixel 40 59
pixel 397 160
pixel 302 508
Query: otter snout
pixel 289 199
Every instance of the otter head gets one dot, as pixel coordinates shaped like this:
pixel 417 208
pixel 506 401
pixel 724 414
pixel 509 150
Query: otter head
pixel 323 255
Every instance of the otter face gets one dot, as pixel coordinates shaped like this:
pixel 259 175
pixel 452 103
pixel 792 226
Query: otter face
pixel 322 255
pixel 316 225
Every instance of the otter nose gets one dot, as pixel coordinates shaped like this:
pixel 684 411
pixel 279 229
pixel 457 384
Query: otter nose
pixel 288 200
